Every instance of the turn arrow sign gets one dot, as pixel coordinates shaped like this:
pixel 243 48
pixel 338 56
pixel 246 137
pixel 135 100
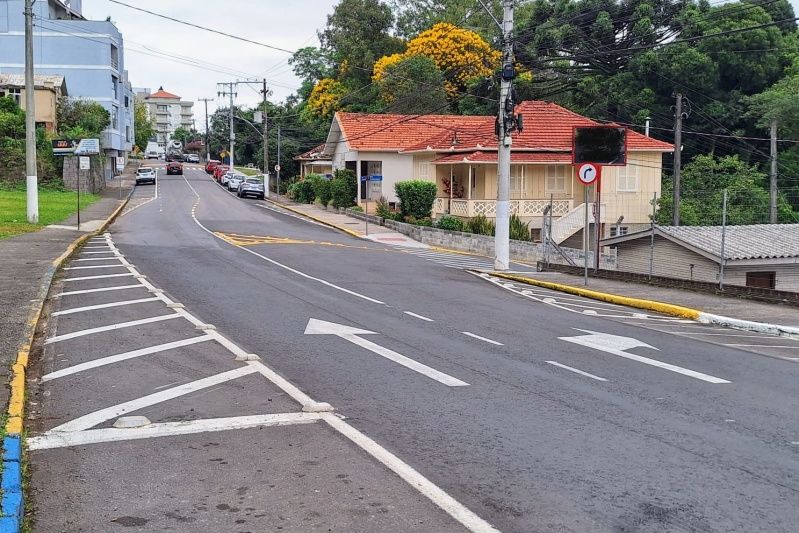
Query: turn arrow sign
pixel 321 327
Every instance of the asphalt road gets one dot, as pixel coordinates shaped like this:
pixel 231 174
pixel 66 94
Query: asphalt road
pixel 537 414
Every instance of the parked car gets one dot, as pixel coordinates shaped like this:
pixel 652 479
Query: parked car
pixel 234 181
pixel 220 170
pixel 174 167
pixel 211 164
pixel 145 175
pixel 226 177
pixel 252 186
pixel 192 158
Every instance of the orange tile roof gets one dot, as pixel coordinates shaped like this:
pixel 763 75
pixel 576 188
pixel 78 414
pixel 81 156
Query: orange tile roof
pixel 161 93
pixel 515 157
pixel 547 127
pixel 314 153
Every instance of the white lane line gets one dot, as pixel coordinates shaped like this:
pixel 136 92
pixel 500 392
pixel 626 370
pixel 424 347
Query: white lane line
pixel 84 278
pixel 443 500
pixel 762 346
pixel 478 337
pixel 112 258
pixel 106 252
pixel 53 439
pixel 726 335
pixel 576 371
pixel 420 317
pixel 103 289
pixel 98 417
pixel 124 357
pixel 104 306
pixel 281 265
pixel 112 327
pixel 90 267
pixel 299 396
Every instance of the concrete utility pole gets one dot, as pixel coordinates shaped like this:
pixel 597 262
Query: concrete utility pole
pixel 265 92
pixel 772 191
pixel 207 131
pixel 228 90
pixel 505 123
pixel 32 178
pixel 677 157
pixel 278 160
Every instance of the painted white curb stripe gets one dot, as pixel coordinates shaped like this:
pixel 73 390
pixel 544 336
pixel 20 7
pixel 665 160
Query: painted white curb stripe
pixel 773 329
pixel 420 317
pixel 53 439
pixel 104 306
pixel 112 258
pixel 450 505
pixel 90 267
pixel 101 277
pixel 106 252
pixel 478 337
pixel 102 289
pixel 124 357
pixel 112 327
pixel 98 417
pixel 576 371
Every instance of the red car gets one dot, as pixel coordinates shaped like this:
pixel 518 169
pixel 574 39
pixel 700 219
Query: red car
pixel 211 165
pixel 174 167
pixel 220 170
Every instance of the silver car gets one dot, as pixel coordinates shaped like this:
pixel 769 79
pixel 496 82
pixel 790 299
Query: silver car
pixel 252 186
pixel 234 181
pixel 226 176
pixel 192 158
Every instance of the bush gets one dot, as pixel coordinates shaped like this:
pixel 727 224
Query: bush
pixel 303 192
pixel 344 188
pixel 450 223
pixel 426 221
pixel 416 198
pixel 382 210
pixel 324 191
pixel 357 209
pixel 519 231
pixel 480 225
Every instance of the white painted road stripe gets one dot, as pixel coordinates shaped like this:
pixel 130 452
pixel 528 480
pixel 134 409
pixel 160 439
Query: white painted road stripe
pixel 762 346
pixel 112 327
pixel 481 338
pixel 89 267
pixel 453 507
pixel 112 258
pixel 98 417
pixel 576 370
pixel 420 317
pixel 104 306
pixel 53 439
pixel 103 289
pixel 124 357
pixel 106 252
pixel 84 278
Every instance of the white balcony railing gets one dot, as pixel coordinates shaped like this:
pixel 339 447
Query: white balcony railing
pixel 488 208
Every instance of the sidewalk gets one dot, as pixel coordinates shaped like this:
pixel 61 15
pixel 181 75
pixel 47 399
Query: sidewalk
pixel 709 303
pixel 26 259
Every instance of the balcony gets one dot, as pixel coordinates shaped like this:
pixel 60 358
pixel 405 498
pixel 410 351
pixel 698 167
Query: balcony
pixel 488 208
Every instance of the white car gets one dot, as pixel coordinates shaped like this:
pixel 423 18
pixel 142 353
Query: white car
pixel 234 181
pixel 226 176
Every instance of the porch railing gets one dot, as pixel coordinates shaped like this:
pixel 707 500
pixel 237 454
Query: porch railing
pixel 488 208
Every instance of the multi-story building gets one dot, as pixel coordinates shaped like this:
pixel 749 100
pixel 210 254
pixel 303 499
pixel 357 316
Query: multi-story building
pixel 88 53
pixel 167 111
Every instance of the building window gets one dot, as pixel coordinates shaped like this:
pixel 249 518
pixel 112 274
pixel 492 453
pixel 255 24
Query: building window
pixel 517 178
pixel 115 87
pixel 761 280
pixel 161 108
pixel 127 102
pixel 628 178
pixel 114 118
pixel 556 178
pixel 374 168
pixel 14 93
pixel 618 231
pixel 114 57
pixel 424 170
pixel 127 133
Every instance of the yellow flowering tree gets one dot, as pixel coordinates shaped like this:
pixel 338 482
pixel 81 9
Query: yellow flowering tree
pixel 325 98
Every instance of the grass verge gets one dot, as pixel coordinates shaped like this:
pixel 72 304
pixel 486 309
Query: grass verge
pixel 54 206
pixel 248 171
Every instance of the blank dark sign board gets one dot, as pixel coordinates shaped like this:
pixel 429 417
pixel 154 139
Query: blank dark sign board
pixel 602 145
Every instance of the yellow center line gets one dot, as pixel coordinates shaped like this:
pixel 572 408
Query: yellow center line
pixel 252 240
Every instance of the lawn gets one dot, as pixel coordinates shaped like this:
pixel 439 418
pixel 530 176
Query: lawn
pixel 248 171
pixel 54 206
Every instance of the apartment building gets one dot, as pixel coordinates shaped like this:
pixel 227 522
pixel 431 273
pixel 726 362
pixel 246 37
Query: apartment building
pixel 167 111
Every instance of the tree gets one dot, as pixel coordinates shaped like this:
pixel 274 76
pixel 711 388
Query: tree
pixel 185 135
pixel 80 119
pixel 12 140
pixel 413 85
pixel 143 125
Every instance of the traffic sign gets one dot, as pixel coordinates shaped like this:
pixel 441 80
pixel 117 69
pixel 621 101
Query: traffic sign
pixel 85 163
pixel 588 173
pixel 64 146
pixel 277 168
pixel 373 177
pixel 88 147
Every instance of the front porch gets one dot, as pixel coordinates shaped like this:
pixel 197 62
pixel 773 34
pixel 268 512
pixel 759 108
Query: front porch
pixel 524 208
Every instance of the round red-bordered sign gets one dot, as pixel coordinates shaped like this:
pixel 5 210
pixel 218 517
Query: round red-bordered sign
pixel 588 173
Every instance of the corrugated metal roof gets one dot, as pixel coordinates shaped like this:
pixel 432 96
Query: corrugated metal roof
pixel 757 241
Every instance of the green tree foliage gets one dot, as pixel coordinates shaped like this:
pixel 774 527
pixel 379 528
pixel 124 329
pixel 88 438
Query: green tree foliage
pixel 413 85
pixel 143 125
pixel 12 141
pixel 80 119
pixel 519 231
pixel 185 135
pixel 344 188
pixel 416 197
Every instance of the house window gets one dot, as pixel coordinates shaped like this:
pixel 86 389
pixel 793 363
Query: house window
pixel 127 133
pixel 14 93
pixel 115 87
pixel 424 170
pixel 618 231
pixel 556 178
pixel 517 178
pixel 374 168
pixel 127 102
pixel 761 280
pixel 114 118
pixel 628 178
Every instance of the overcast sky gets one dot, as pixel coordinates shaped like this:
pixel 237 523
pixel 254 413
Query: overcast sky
pixel 288 24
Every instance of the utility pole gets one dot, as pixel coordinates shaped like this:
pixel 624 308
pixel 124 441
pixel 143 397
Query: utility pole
pixel 772 191
pixel 677 157
pixel 32 178
pixel 505 124
pixel 278 161
pixel 207 131
pixel 265 92
pixel 228 90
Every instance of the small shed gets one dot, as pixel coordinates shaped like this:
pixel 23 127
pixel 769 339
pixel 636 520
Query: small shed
pixel 760 255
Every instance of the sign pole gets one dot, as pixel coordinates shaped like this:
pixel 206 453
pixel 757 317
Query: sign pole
pixel 585 238
pixel 366 218
pixel 598 220
pixel 79 176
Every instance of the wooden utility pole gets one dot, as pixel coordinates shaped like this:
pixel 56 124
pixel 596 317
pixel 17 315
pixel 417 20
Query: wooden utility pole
pixel 677 158
pixel 772 196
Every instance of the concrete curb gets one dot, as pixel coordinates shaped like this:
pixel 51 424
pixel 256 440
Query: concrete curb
pixel 12 504
pixel 660 307
pixel 316 219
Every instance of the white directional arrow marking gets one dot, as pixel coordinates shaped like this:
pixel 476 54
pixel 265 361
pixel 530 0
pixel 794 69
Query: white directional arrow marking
pixel 616 345
pixel 321 327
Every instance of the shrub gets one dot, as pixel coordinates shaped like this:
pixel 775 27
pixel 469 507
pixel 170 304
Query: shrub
pixel 304 192
pixel 519 231
pixel 344 188
pixel 480 225
pixel 416 198
pixel 382 210
pixel 426 221
pixel 450 223
pixel 357 209
pixel 324 191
